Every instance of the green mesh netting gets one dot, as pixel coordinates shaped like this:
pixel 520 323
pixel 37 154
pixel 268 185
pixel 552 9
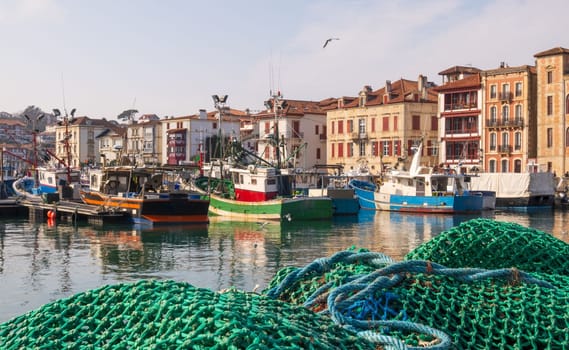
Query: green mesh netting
pixel 493 244
pixel 478 308
pixel 172 315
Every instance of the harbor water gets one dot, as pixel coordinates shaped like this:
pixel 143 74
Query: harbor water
pixel 41 263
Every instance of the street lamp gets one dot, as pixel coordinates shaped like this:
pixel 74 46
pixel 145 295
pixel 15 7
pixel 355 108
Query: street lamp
pixel 219 102
pixel 34 143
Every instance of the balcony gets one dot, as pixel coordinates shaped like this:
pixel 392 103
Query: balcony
pixel 359 136
pixel 507 123
pixel 323 137
pixel 505 149
pixel 505 96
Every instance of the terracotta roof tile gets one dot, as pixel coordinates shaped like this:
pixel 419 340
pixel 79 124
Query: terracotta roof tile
pixel 554 51
pixel 460 69
pixel 472 81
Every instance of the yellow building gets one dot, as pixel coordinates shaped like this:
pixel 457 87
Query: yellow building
pixel 378 129
pixel 552 108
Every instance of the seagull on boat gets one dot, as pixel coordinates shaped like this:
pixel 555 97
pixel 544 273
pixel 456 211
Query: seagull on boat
pixel 328 40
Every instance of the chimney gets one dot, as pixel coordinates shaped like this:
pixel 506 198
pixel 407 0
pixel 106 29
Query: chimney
pixel 422 86
pixel 203 114
pixel 387 94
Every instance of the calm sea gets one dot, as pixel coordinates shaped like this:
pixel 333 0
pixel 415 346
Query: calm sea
pixel 40 263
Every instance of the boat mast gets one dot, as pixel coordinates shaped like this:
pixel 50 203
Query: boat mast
pixel 66 121
pixel 277 104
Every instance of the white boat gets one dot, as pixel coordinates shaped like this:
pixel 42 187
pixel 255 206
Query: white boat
pixel 420 190
pixel 517 190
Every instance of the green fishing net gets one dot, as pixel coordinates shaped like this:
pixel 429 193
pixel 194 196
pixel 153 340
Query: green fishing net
pixel 494 244
pixel 171 315
pixel 482 305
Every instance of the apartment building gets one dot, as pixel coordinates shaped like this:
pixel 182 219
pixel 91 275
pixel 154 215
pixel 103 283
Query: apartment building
pixel 379 129
pixel 187 138
pixel 460 115
pixel 509 139
pixel 144 140
pixel 76 142
pixel 301 127
pixel 552 110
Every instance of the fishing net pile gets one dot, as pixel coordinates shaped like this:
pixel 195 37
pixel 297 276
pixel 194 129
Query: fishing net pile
pixel 494 244
pixel 481 285
pixel 172 315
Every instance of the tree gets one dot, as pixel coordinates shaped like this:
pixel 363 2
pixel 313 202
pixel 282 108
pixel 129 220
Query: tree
pixel 127 115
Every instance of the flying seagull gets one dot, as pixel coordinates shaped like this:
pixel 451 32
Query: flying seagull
pixel 328 40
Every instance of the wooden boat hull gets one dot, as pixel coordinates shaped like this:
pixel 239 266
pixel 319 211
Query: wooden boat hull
pixel 154 209
pixel 282 209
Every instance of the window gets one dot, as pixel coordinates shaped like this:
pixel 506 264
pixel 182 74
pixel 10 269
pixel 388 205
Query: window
pixel 434 123
pixel 386 149
pixel 374 148
pixel 385 124
pixel 362 148
pixel 362 126
pixel 332 150
pixel 505 142
pixel 416 122
pixel 549 105
pixel 397 148
pixel 518 141
pixel 493 141
pixel 549 77
pixel 505 113
pixel 549 137
pixel 517 166
pixel 318 153
pixel 333 127
pixel 567 137
pixel 493 115
pixel 350 149
pixel 340 150
pixel 492 91
pixel 505 165
pixel 505 90
pixel 350 126
pixel 492 166
pixel 340 127
pixel 316 131
pixel 518 89
pixel 372 124
pixel 518 113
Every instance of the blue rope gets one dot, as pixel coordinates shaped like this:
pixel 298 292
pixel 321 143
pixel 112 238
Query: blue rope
pixel 362 303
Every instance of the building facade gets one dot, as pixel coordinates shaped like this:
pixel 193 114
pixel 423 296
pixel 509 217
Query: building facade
pixel 460 116
pixel 380 129
pixel 301 129
pixel 552 110
pixel 510 119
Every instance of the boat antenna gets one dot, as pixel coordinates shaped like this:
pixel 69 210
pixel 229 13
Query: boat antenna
pixel 63 93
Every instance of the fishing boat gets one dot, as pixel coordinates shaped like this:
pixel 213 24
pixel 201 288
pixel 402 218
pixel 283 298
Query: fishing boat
pixel 518 190
pixel 261 193
pixel 315 183
pixel 144 194
pixel 420 190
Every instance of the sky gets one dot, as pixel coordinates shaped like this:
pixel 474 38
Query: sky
pixel 168 57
